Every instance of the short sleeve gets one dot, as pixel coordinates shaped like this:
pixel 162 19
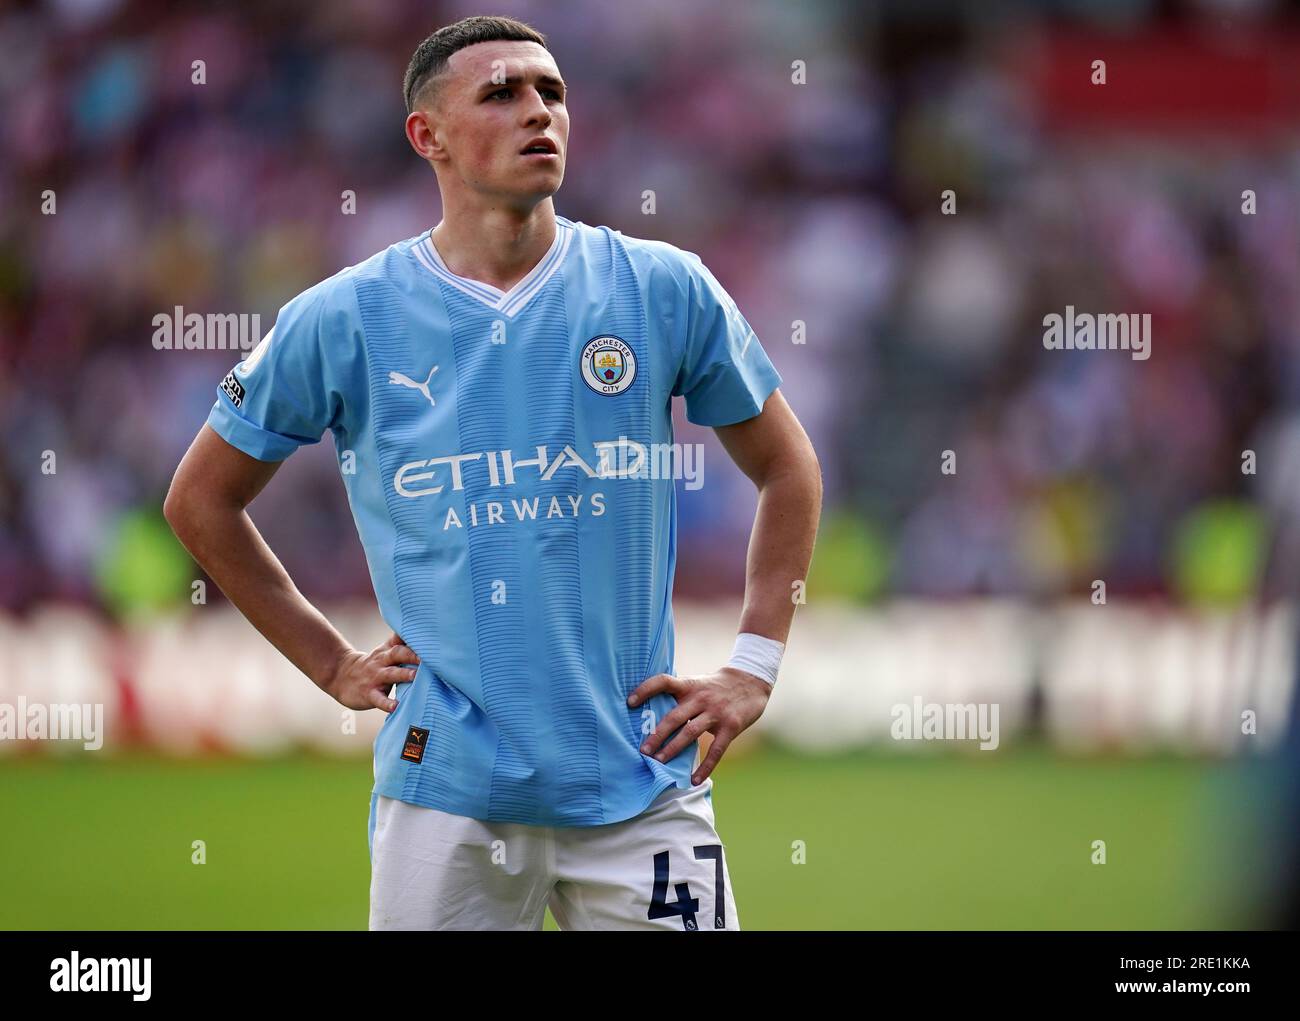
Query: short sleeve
pixel 725 374
pixel 277 399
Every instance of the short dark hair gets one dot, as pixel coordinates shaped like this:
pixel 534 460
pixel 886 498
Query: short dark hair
pixel 430 57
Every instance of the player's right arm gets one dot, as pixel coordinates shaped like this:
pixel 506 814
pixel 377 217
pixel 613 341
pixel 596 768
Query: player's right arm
pixel 303 378
pixel 207 509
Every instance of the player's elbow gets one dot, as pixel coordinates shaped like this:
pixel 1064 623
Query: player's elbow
pixel 189 508
pixel 813 469
pixel 178 509
pixel 798 464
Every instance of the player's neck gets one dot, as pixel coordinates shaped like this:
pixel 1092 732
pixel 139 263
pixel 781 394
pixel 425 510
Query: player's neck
pixel 496 246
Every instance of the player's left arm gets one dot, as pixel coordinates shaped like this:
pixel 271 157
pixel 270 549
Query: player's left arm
pixel 775 452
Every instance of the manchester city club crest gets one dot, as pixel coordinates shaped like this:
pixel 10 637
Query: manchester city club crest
pixel 608 365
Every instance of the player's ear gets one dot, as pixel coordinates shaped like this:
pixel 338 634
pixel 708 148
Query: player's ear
pixel 422 133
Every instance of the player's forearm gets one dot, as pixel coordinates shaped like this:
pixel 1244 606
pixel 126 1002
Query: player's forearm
pixel 780 547
pixel 228 546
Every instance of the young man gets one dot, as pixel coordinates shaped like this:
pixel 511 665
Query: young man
pixel 501 381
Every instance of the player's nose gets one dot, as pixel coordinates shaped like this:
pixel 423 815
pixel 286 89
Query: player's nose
pixel 535 111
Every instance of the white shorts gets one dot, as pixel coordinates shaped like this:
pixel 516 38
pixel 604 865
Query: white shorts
pixel 662 869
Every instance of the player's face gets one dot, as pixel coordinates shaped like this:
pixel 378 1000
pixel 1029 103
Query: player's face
pixel 501 118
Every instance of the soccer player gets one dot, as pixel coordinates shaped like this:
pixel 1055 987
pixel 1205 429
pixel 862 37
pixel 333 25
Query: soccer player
pixel 504 383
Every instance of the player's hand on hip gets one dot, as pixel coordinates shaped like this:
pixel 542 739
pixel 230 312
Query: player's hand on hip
pixel 722 704
pixel 362 680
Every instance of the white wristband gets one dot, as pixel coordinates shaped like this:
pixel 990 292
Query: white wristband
pixel 757 655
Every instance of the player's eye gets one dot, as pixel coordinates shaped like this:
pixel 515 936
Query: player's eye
pixel 553 94
pixel 500 93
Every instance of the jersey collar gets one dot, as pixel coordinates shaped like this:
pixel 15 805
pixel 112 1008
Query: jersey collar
pixel 509 302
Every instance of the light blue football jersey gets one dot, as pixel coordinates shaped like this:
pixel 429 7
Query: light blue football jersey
pixel 503 454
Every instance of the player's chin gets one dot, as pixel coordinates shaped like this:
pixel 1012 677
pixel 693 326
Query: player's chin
pixel 542 186
pixel 524 189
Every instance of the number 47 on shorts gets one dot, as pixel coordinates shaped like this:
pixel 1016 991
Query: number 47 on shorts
pixel 685 905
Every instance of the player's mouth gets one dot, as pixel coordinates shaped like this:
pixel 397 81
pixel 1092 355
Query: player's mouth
pixel 540 148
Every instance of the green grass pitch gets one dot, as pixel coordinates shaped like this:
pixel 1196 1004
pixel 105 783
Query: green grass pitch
pixel 888 841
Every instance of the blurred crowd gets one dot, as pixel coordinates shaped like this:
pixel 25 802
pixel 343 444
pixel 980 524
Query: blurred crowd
pixel 817 202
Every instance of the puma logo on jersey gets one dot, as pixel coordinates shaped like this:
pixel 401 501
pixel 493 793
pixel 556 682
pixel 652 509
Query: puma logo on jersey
pixel 400 379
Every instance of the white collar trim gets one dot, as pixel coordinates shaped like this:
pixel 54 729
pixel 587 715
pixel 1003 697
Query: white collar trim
pixel 506 302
